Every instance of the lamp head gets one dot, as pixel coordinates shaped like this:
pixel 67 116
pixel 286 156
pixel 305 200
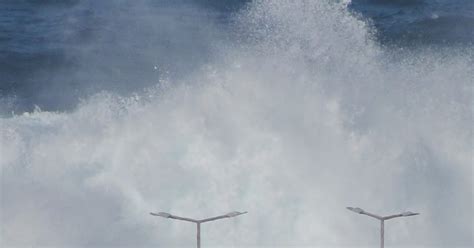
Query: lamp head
pixel 234 213
pixel 357 210
pixel 162 214
pixel 408 213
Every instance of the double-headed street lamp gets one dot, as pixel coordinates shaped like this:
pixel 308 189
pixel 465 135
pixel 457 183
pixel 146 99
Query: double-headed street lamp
pixel 198 222
pixel 382 219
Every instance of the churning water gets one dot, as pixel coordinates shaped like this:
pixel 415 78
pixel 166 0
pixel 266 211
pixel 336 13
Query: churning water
pixel 291 110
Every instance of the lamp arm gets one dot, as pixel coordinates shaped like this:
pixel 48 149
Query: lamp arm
pixel 373 215
pixel 214 218
pixel 392 216
pixel 183 219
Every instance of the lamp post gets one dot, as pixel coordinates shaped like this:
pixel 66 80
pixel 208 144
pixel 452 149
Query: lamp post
pixel 198 222
pixel 382 219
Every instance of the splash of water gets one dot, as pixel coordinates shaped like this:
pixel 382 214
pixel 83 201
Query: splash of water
pixel 302 117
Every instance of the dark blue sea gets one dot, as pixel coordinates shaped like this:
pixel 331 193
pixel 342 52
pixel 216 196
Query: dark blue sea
pixel 52 53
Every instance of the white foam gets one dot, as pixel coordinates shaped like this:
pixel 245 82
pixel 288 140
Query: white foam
pixel 314 118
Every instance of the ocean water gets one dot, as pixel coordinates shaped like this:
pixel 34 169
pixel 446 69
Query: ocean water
pixel 291 110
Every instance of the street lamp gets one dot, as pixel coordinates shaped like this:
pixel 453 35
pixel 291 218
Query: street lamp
pixel 198 222
pixel 382 219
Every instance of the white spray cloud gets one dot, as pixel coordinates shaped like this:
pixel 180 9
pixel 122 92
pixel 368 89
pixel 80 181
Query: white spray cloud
pixel 304 118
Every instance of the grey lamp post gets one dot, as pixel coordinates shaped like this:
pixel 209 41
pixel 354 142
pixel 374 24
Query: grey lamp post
pixel 198 222
pixel 382 219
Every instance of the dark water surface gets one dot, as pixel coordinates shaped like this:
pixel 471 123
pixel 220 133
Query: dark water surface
pixel 53 53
